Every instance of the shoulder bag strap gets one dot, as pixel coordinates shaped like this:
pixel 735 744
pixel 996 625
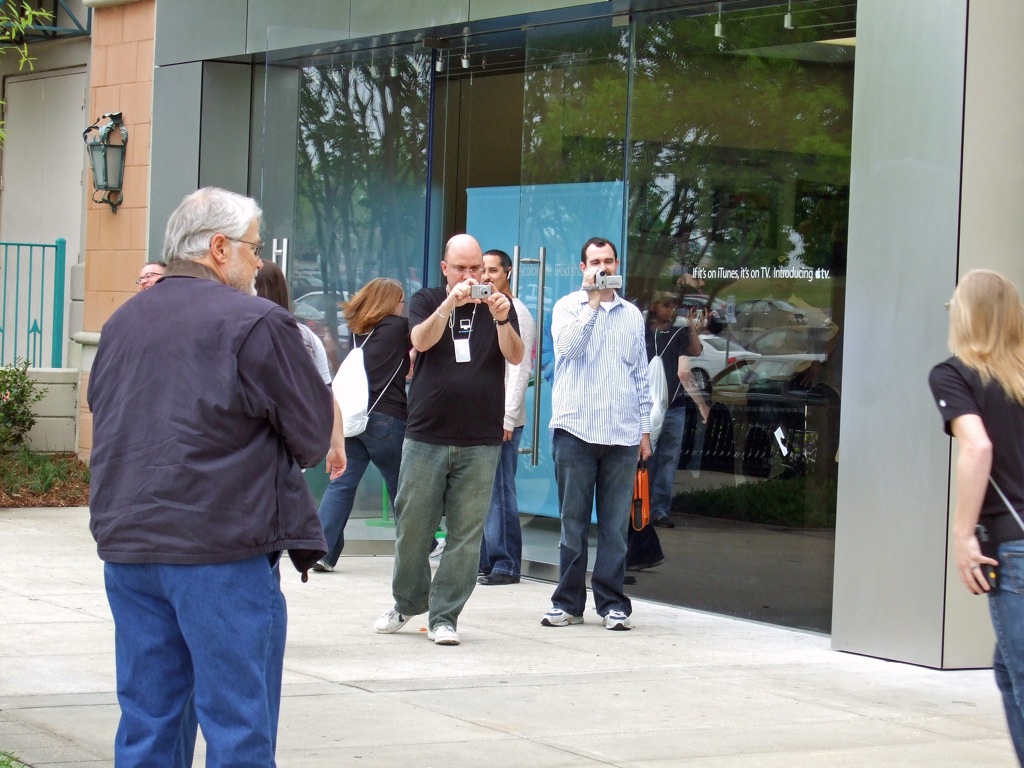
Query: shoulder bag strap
pixel 1006 501
pixel 385 387
pixel 364 340
pixel 368 410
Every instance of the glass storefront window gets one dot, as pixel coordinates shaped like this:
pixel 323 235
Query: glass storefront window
pixel 711 141
pixel 738 181
pixel 362 181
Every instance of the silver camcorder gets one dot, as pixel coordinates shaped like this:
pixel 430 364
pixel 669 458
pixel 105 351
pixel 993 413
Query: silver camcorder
pixel 480 291
pixel 604 281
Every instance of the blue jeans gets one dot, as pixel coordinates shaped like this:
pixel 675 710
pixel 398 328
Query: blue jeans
pixel 381 443
pixel 580 469
pixel 501 550
pixel 663 464
pixel 1006 606
pixel 435 480
pixel 212 635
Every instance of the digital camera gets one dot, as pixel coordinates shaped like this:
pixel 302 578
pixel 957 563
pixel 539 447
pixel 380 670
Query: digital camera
pixel 480 291
pixel 604 281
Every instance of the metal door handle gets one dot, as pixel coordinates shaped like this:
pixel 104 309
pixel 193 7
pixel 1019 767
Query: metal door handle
pixel 280 255
pixel 534 449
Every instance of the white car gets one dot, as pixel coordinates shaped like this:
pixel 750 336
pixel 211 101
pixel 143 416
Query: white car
pixel 322 302
pixel 718 353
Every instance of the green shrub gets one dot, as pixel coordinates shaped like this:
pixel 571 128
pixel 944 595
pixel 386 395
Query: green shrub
pixel 796 502
pixel 18 393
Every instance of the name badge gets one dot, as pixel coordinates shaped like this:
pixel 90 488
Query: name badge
pixel 462 350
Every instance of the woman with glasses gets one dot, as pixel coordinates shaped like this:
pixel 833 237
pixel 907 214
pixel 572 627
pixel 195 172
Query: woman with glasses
pixel 980 394
pixel 374 315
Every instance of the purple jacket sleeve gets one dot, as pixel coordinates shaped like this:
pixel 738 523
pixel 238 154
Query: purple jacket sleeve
pixel 281 384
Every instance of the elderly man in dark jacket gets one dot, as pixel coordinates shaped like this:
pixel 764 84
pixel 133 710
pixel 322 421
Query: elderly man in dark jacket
pixel 206 406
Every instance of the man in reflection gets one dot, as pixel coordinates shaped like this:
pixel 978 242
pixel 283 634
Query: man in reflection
pixel 452 440
pixel 501 550
pixel 673 344
pixel 600 417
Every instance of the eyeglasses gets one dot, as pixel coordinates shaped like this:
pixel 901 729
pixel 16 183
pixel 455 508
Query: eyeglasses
pixel 257 248
pixel 148 277
pixel 463 270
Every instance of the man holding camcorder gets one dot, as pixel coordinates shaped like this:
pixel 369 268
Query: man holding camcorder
pixel 600 418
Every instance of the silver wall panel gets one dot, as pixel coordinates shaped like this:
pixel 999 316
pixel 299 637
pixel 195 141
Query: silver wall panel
pixel 299 22
pixel 493 9
pixel 891 533
pixel 378 17
pixel 192 30
pixel 991 226
pixel 224 137
pixel 174 155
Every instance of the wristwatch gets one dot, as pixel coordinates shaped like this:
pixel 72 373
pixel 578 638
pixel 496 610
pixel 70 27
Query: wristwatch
pixel 506 321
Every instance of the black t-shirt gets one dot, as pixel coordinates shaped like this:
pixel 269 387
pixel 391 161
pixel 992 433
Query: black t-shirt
pixel 959 391
pixel 671 344
pixel 387 351
pixel 454 403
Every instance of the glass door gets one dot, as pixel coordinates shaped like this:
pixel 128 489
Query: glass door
pixel 570 183
pixel 340 166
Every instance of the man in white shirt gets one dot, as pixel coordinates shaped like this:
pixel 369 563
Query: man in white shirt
pixel 600 418
pixel 501 550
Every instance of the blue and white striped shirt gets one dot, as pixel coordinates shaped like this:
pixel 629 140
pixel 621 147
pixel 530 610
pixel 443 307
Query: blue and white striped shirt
pixel 600 392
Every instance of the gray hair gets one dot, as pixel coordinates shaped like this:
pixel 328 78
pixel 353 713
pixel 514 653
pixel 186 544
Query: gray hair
pixel 202 215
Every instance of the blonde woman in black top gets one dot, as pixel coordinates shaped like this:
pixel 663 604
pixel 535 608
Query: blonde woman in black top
pixel 980 394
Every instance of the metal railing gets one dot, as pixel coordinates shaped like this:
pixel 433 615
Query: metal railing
pixel 32 277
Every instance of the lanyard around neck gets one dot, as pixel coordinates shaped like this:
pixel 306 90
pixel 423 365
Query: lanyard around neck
pixel 451 323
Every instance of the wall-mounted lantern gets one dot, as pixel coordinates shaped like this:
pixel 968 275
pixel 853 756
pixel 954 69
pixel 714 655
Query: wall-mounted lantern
pixel 107 159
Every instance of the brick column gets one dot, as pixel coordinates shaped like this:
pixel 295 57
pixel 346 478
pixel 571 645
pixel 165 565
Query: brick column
pixel 121 80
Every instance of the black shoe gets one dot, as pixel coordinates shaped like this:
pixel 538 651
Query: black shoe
pixel 496 579
pixel 663 522
pixel 628 581
pixel 644 566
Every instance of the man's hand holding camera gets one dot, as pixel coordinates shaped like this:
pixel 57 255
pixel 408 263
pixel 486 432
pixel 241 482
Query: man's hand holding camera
pixel 499 305
pixel 598 283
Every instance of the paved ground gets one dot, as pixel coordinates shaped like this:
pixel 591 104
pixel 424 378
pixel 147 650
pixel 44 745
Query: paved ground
pixel 684 688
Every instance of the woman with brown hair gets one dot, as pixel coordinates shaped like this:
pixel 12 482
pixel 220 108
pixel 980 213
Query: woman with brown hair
pixel 272 285
pixel 374 315
pixel 980 394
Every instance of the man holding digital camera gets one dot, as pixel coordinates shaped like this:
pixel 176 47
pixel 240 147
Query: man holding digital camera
pixel 463 334
pixel 600 417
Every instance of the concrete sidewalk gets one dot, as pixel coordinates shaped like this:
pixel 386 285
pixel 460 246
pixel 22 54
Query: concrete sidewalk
pixel 682 689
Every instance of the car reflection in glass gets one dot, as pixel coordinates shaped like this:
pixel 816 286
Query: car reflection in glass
pixel 718 352
pixel 755 316
pixel 325 303
pixel 771 417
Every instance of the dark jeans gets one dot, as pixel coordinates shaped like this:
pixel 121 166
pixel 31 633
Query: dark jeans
pixel 381 443
pixel 581 469
pixel 501 550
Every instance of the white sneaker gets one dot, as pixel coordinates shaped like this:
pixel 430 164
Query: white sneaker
pixel 616 620
pixel 322 566
pixel 443 634
pixel 390 621
pixel 556 617
pixel 436 554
